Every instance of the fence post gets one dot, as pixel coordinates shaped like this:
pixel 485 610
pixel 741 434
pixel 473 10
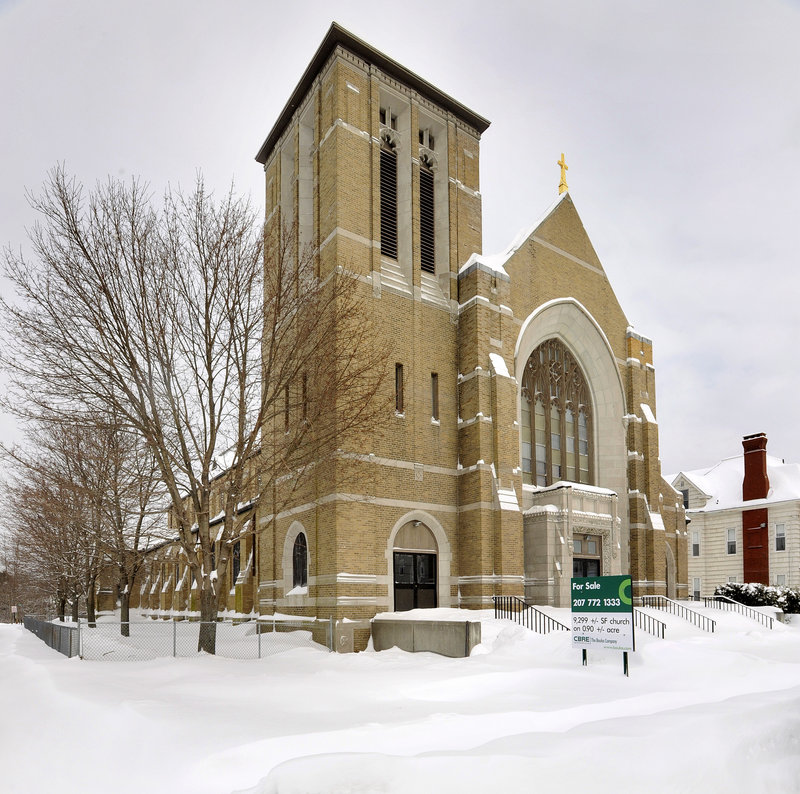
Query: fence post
pixel 258 632
pixel 175 637
pixel 331 642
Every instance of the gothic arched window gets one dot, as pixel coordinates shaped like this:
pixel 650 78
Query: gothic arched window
pixel 300 562
pixel 556 418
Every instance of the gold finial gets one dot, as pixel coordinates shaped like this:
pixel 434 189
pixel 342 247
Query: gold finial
pixel 563 187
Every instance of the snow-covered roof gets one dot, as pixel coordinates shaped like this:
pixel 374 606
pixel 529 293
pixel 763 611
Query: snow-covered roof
pixel 496 262
pixel 722 482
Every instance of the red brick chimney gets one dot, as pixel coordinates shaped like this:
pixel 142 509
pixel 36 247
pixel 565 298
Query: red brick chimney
pixel 756 482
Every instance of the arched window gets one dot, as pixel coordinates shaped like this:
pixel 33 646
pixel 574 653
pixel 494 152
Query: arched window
pixel 236 562
pixel 556 418
pixel 300 562
pixel 388 181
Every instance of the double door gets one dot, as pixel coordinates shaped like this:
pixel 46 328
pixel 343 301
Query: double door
pixel 583 567
pixel 414 581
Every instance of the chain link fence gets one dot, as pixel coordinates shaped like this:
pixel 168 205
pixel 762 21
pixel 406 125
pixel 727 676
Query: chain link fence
pixel 153 639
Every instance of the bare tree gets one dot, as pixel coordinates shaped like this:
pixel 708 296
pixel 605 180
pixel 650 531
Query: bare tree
pixel 86 499
pixel 133 508
pixel 46 524
pixel 198 333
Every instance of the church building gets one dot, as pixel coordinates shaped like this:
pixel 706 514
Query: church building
pixel 522 446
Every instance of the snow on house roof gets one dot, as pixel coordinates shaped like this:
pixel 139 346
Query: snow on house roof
pixel 722 482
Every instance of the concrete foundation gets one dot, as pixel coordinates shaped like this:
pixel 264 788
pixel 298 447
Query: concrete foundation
pixel 454 638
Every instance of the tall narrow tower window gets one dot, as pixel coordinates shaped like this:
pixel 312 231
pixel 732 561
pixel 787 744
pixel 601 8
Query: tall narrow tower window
pixel 427 235
pixel 388 184
pixel 556 436
pixel 398 388
pixel 435 396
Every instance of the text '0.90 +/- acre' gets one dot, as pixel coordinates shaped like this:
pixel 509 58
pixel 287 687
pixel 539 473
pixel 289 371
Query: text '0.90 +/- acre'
pixel 602 612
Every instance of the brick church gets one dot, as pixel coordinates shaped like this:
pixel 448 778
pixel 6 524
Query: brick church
pixel 522 448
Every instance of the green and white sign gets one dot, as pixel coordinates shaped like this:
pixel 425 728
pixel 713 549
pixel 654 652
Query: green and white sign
pixel 602 612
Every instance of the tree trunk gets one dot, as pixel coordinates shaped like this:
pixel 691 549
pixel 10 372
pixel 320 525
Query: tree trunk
pixel 90 604
pixel 207 640
pixel 125 612
pixel 62 608
pixel 74 607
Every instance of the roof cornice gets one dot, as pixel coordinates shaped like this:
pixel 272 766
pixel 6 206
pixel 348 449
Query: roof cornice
pixel 337 35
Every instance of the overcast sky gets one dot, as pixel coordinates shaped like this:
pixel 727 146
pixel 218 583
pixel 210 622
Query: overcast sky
pixel 680 122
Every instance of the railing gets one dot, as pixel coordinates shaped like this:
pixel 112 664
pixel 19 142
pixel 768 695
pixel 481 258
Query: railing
pixel 61 637
pixel 729 605
pixel 649 624
pixel 514 608
pixel 668 605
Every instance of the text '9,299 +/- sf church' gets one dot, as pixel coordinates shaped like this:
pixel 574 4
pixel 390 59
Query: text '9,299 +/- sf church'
pixel 521 445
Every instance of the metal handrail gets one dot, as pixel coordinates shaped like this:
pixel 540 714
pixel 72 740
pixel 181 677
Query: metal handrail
pixel 668 605
pixel 728 604
pixel 518 610
pixel 649 624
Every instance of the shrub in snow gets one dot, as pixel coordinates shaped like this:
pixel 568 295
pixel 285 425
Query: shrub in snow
pixel 753 594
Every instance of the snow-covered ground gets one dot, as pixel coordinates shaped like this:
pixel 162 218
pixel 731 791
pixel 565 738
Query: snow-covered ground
pixel 704 713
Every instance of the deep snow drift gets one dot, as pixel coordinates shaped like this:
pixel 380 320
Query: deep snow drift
pixel 700 712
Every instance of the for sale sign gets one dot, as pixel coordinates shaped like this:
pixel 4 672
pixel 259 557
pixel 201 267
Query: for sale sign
pixel 602 613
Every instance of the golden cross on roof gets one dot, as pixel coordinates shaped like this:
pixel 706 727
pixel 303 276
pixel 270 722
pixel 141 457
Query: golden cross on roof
pixel 562 185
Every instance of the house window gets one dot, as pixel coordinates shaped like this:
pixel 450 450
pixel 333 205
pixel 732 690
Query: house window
pixel 254 568
pixel 435 396
pixel 780 580
pixel 556 418
pixel 388 183
pixel 286 409
pixel 696 588
pixel 300 562
pixel 427 235
pixel 685 494
pixel 398 388
pixel 731 541
pixel 780 537
pixel 305 397
pixel 695 543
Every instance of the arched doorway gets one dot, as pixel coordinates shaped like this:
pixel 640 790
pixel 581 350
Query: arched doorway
pixel 415 567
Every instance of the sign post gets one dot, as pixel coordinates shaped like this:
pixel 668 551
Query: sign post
pixel 602 615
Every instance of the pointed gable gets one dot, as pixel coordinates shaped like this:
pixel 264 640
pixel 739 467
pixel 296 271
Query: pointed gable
pixel 556 259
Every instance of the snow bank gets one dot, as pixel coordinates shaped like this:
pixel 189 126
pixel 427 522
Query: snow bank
pixel 700 712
